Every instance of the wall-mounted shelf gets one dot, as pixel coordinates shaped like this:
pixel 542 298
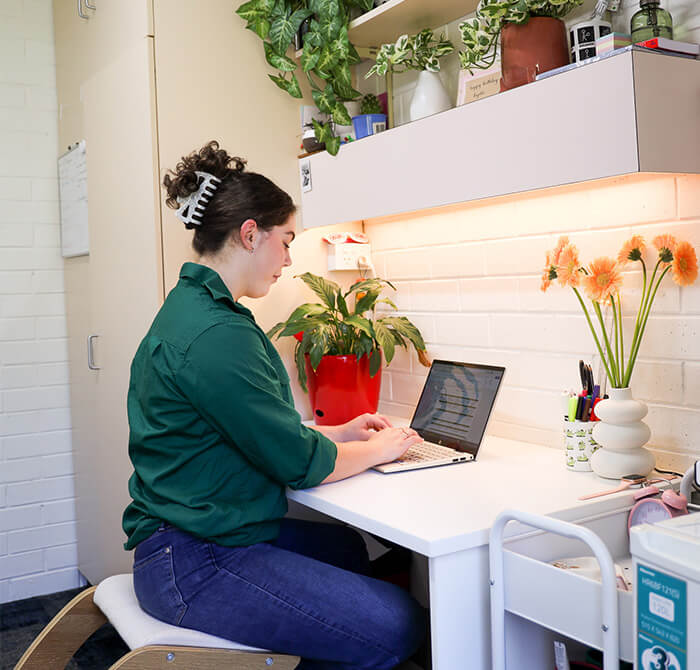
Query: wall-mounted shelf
pixel 396 17
pixel 633 112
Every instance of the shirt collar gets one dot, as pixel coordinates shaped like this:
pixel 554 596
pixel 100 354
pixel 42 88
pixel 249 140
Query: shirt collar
pixel 211 280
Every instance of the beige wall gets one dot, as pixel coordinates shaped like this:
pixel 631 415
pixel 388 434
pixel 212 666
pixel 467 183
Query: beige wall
pixel 470 278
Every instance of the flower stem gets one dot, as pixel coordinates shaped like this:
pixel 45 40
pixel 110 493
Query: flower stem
pixel 595 337
pixel 621 359
pixel 613 377
pixel 643 325
pixel 616 330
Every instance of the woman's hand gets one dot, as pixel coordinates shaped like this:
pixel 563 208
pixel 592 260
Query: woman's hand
pixel 392 443
pixel 360 428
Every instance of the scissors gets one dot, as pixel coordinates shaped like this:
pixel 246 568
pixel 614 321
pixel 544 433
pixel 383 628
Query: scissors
pixel 586 373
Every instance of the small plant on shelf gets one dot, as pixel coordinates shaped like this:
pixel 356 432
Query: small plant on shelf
pixel 415 52
pixel 370 105
pixel 480 34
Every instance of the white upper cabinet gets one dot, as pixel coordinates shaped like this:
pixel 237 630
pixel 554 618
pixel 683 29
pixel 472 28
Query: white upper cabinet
pixel 633 112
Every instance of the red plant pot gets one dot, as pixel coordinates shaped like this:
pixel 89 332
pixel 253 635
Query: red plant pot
pixel 341 389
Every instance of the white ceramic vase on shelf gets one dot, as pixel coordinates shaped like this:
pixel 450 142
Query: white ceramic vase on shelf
pixel 622 434
pixel 429 96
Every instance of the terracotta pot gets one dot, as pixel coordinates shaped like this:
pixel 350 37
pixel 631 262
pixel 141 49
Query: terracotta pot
pixel 526 50
pixel 342 389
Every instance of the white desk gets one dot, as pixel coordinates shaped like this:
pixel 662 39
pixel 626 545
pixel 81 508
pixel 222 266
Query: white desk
pixel 446 513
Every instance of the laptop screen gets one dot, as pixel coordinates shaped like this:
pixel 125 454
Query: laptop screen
pixel 456 403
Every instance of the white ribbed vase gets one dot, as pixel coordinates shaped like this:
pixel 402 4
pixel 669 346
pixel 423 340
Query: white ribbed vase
pixel 622 434
pixel 429 96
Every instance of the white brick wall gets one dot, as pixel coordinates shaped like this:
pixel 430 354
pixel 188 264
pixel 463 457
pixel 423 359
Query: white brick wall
pixel 37 510
pixel 470 280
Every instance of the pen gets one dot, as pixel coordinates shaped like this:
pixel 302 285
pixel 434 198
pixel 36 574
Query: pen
pixel 580 400
pixel 586 409
pixel 573 401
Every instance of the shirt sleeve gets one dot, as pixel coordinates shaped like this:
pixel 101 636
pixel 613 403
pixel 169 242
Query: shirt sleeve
pixel 228 376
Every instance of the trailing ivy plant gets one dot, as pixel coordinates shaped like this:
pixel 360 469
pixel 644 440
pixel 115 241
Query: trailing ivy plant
pixel 327 53
pixel 331 327
pixel 480 34
pixel 416 52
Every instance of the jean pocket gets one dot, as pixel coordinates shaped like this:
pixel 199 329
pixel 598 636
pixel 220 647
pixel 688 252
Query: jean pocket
pixel 156 590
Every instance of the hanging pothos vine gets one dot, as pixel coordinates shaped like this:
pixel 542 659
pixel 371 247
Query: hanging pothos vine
pixel 327 53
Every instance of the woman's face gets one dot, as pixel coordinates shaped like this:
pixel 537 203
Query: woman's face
pixel 270 256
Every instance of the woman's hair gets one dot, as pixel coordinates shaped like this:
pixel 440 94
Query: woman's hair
pixel 240 196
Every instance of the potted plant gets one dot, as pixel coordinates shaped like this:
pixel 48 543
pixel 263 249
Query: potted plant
pixel 621 433
pixel 339 350
pixel 420 52
pixel 533 38
pixel 326 57
pixel 371 119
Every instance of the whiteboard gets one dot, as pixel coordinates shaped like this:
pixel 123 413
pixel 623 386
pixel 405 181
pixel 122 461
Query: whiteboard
pixel 72 188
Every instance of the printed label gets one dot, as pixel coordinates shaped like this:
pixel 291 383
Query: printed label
pixel 662 622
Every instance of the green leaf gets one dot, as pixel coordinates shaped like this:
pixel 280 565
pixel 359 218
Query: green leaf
pixel 369 285
pixel 298 17
pixel 303 325
pixel 333 145
pixel 405 328
pixel 342 305
pixel 309 58
pixel 366 302
pixel 307 309
pixel 275 329
pixel 323 288
pixel 300 360
pixel 281 63
pixel 388 302
pixel 375 362
pixel 340 114
pixel 320 345
pixel 327 60
pixel 289 85
pixel 325 99
pixel 282 33
pixel 365 325
pixel 385 339
pixel 253 9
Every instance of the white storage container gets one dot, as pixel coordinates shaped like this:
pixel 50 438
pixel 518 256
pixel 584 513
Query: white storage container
pixel 666 559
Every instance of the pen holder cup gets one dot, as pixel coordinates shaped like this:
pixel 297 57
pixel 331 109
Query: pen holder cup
pixel 579 445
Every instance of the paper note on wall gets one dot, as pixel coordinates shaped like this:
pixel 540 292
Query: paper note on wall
pixel 72 187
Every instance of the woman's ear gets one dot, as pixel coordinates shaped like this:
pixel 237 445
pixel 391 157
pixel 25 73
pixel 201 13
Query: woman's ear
pixel 249 235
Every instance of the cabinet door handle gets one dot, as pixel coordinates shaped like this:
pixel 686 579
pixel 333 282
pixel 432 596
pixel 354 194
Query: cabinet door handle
pixel 89 6
pixel 91 360
pixel 80 10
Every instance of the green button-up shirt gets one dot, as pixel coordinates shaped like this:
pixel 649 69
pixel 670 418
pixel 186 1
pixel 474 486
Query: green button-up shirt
pixel 214 436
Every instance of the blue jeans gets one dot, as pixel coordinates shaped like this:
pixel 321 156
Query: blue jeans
pixel 306 593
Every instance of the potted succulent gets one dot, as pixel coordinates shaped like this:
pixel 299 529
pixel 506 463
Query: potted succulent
pixel 420 52
pixel 533 38
pixel 326 57
pixel 371 119
pixel 339 349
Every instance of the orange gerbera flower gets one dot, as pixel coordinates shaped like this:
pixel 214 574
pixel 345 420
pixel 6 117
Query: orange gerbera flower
pixel 632 250
pixel 604 279
pixel 685 264
pixel 568 266
pixel 666 244
pixel 549 269
pixel 561 243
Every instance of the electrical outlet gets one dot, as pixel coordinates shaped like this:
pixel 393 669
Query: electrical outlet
pixel 349 256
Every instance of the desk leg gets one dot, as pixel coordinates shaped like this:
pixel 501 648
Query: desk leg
pixel 459 610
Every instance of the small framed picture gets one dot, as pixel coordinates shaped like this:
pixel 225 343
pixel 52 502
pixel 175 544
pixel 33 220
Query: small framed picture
pixel 305 175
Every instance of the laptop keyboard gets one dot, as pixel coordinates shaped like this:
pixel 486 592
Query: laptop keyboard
pixel 426 451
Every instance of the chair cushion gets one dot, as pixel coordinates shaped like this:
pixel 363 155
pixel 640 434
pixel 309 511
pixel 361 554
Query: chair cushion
pixel 116 598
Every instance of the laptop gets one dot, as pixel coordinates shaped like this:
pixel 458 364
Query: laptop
pixel 451 415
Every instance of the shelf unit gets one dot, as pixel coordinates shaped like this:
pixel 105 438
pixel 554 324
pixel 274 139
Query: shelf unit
pixel 397 17
pixel 633 112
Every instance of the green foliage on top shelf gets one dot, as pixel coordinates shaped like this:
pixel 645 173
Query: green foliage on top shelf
pixel 327 53
pixel 480 34
pixel 415 52
pixel 370 105
pixel 332 327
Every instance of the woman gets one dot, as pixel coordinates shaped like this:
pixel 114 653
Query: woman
pixel 214 440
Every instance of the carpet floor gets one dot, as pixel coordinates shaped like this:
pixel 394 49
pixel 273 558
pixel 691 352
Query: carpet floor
pixel 22 620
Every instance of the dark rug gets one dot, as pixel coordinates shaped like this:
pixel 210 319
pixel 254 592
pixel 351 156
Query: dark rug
pixel 22 620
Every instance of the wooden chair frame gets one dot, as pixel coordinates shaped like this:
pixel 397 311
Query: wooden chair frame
pixel 80 618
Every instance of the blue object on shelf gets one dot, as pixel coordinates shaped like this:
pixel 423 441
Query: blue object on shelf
pixel 368 124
